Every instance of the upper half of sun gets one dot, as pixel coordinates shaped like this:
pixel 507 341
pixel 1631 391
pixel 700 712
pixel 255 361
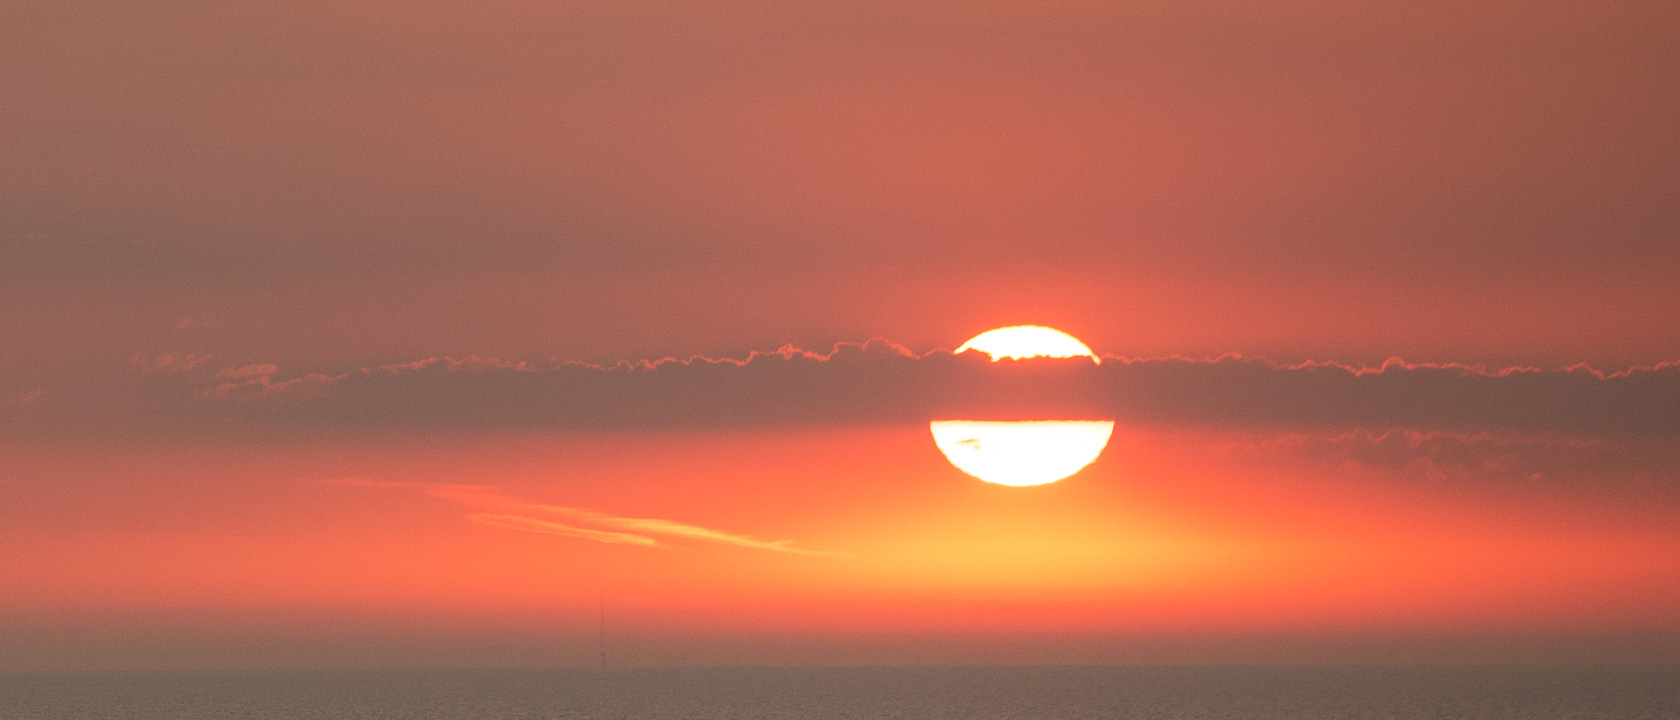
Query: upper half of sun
pixel 1027 341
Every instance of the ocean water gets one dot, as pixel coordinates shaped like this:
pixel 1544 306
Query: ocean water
pixel 979 693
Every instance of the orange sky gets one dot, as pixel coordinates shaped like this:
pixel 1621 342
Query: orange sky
pixel 1171 533
pixel 322 329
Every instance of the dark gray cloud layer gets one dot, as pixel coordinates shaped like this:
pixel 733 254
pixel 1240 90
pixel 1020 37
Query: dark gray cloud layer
pixel 878 382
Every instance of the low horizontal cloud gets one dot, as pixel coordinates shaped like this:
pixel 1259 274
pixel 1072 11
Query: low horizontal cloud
pixel 880 382
pixel 169 362
pixel 248 371
pixel 490 506
pixel 1432 456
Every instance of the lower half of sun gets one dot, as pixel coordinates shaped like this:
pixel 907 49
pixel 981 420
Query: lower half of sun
pixel 1028 452
pixel 1032 452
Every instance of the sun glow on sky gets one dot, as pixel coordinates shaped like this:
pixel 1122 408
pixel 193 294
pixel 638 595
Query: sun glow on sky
pixel 373 335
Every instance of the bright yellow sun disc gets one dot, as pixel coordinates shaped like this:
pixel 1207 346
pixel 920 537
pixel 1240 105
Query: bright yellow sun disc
pixel 1027 341
pixel 1021 453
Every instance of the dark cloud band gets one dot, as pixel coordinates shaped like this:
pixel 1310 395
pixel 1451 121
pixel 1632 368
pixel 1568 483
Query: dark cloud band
pixel 879 382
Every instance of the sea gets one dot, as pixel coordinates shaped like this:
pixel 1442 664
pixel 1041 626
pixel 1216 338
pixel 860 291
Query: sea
pixel 875 693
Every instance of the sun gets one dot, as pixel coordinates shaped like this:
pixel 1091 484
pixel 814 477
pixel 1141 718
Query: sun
pixel 1022 453
pixel 1028 341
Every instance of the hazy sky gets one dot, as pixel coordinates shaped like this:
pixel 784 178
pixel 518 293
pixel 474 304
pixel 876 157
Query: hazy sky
pixel 311 317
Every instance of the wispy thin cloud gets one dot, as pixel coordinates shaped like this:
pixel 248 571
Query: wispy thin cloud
pixel 545 527
pixel 490 506
pixel 168 362
pixel 657 526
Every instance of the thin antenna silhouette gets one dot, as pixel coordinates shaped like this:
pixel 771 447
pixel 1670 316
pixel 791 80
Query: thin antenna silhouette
pixel 603 625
